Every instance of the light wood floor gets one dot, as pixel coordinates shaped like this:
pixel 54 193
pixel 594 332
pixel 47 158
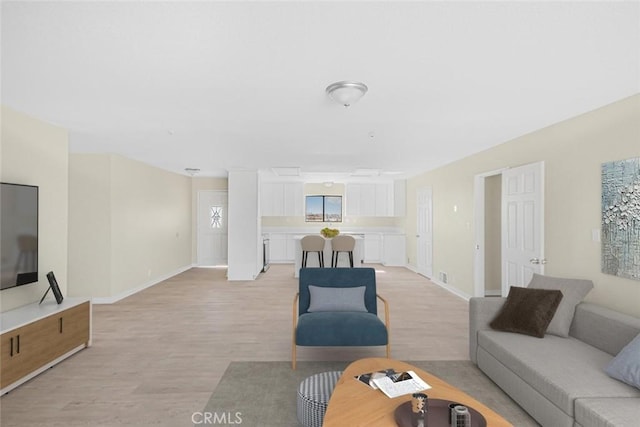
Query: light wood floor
pixel 158 355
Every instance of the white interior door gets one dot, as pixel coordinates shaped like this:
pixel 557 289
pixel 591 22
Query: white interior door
pixel 522 224
pixel 212 227
pixel 424 236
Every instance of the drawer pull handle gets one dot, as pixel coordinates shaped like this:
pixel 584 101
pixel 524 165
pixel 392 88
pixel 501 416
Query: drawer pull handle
pixel 11 345
pixel 60 325
pixel 18 344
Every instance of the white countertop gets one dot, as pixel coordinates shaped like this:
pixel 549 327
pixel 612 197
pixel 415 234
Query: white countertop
pixel 305 231
pixel 355 236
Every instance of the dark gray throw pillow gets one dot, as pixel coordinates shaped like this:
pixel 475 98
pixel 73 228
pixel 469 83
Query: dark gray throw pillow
pixel 527 311
pixel 336 299
pixel 573 292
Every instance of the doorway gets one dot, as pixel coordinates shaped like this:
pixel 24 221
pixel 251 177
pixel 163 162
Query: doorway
pixel 212 233
pixel 509 228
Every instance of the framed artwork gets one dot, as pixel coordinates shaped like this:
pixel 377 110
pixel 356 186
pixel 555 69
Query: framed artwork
pixel 621 218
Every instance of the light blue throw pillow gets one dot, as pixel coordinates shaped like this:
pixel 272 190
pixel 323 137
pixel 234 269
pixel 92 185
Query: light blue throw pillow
pixel 626 365
pixel 336 299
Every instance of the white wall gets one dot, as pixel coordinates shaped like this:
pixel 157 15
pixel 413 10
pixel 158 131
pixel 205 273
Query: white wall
pixel 245 244
pixel 35 153
pixel 573 152
pixel 143 236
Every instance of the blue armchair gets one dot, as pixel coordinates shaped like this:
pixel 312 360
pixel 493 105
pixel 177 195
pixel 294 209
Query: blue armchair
pixel 338 307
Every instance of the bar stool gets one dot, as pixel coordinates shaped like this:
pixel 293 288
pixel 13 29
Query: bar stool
pixel 312 243
pixel 342 244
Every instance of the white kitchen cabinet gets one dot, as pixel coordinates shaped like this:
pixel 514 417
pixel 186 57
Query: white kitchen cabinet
pixel 400 197
pixel 372 247
pixel 277 247
pixel 293 199
pixel 394 250
pixel 281 248
pixel 352 202
pixel 369 199
pixel 290 248
pixel 383 200
pixel 281 199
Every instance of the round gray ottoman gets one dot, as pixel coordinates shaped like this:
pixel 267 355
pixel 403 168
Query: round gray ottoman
pixel 313 397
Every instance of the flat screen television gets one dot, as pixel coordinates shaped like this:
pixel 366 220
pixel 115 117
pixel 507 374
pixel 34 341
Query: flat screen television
pixel 18 235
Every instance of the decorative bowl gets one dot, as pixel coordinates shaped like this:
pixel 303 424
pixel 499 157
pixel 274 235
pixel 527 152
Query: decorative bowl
pixel 329 232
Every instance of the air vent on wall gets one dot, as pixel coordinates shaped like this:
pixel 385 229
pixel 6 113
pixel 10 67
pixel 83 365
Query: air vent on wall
pixel 443 277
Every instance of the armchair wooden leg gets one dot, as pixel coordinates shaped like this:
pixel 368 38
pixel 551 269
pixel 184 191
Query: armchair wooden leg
pixel 293 332
pixel 388 351
pixel 293 357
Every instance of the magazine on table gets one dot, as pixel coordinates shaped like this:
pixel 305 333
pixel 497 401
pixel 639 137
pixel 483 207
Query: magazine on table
pixel 370 376
pixel 393 383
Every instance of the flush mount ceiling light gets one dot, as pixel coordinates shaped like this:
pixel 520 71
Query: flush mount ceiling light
pixel 192 171
pixel 346 92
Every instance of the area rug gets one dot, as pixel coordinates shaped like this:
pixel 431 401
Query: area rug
pixel 263 394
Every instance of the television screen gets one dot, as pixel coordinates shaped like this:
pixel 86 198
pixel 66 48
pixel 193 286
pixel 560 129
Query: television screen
pixel 18 235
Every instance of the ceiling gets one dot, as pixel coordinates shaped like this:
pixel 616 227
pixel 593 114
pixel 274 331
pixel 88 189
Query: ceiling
pixel 221 86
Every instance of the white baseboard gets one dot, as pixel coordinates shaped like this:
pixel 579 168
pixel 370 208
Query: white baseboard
pixel 451 289
pixel 492 293
pixel 413 268
pixel 155 281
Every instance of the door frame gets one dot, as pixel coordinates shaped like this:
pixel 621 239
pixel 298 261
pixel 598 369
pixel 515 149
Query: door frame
pixel 479 209
pixel 479 217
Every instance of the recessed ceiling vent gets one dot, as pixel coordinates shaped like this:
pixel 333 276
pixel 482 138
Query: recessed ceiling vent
pixel 286 171
pixel 366 172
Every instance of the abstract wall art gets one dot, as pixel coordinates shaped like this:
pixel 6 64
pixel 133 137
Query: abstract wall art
pixel 621 218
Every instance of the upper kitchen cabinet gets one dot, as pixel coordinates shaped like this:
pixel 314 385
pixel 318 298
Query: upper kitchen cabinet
pixel 400 197
pixel 282 199
pixel 380 199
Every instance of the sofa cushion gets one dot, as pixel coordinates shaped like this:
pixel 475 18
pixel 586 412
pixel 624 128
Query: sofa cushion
pixel 626 365
pixel 527 311
pixel 336 299
pixel 608 412
pixel 573 292
pixel 344 328
pixel 561 369
pixel 603 328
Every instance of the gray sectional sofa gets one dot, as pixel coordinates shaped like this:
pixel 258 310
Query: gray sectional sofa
pixel 559 381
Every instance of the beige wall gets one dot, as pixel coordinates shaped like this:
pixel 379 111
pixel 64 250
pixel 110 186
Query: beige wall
pixel 35 153
pixel 492 233
pixel 90 225
pixel 573 152
pixel 144 234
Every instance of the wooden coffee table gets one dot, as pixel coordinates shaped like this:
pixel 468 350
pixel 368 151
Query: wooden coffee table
pixel 354 404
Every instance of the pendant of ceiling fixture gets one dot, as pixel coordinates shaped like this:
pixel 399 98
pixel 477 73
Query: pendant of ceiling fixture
pixel 346 92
